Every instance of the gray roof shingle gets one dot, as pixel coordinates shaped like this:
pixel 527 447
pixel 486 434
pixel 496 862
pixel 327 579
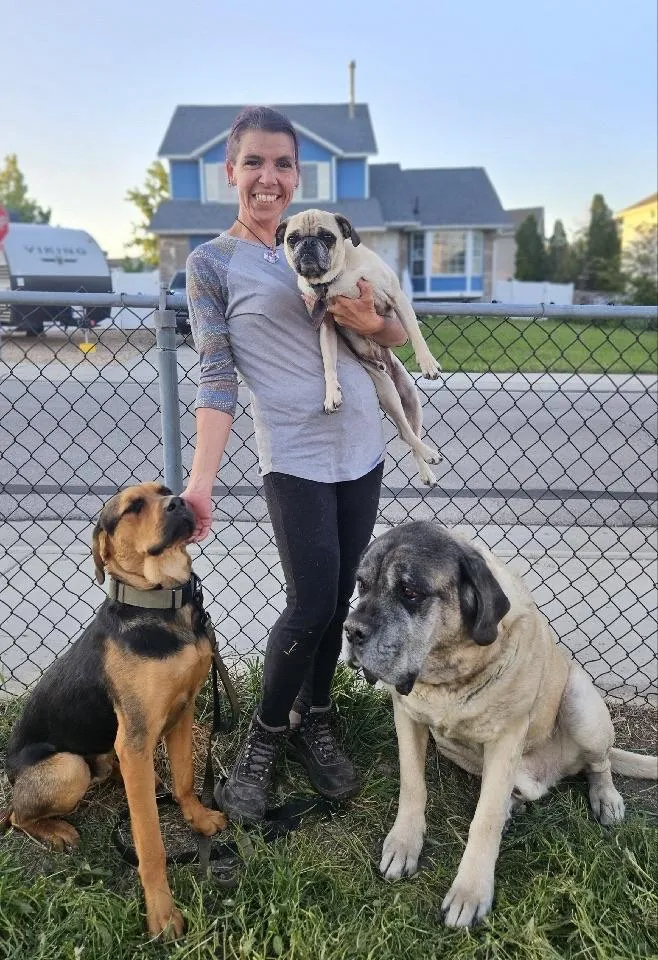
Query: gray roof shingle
pixel 519 214
pixel 463 196
pixel 193 126
pixel 192 216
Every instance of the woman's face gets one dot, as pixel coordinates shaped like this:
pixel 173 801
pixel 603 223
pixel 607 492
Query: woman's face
pixel 265 174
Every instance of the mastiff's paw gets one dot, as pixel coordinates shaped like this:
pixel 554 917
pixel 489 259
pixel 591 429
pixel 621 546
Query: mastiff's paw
pixel 401 851
pixel 607 805
pixel 466 903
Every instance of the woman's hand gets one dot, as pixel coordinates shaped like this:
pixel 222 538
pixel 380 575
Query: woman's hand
pixel 201 506
pixel 359 314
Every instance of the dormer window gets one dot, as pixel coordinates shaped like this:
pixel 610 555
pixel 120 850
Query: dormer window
pixel 314 182
pixel 216 188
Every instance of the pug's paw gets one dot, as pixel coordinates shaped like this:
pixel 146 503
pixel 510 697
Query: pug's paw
pixel 333 399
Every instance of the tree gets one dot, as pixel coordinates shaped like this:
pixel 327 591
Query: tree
pixel 558 257
pixel 640 263
pixel 530 254
pixel 147 200
pixel 603 267
pixel 578 260
pixel 13 194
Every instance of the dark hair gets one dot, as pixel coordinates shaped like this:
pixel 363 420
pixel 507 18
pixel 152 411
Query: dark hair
pixel 259 118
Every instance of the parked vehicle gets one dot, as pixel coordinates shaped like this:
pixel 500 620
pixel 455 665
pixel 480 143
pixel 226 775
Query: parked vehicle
pixel 38 257
pixel 177 285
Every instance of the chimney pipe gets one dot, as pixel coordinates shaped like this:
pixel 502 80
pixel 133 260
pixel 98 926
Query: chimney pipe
pixel 352 68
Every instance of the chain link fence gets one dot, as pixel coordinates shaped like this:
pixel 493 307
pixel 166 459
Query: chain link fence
pixel 546 418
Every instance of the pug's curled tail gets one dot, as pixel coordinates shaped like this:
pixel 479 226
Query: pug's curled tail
pixel 634 764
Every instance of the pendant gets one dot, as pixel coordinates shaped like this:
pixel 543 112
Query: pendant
pixel 271 256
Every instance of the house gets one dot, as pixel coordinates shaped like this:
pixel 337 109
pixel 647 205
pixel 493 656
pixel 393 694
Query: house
pixel 505 242
pixel 437 224
pixel 640 217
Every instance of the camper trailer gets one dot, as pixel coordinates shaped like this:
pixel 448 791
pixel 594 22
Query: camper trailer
pixel 37 257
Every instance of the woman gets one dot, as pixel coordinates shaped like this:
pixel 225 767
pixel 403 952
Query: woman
pixel 321 474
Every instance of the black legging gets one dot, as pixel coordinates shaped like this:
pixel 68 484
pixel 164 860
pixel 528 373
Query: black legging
pixel 321 530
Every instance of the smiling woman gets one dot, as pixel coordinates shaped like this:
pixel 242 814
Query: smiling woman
pixel 246 314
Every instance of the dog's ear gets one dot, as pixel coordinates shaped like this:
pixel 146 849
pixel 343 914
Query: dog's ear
pixel 280 232
pixel 98 550
pixel 483 603
pixel 100 541
pixel 347 229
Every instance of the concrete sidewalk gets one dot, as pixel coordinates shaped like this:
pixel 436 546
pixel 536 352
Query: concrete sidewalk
pixel 596 585
pixel 144 369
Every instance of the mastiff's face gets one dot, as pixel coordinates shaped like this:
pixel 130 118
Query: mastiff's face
pixel 314 243
pixel 423 595
pixel 140 537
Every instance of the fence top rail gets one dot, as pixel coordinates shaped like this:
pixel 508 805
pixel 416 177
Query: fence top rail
pixel 178 301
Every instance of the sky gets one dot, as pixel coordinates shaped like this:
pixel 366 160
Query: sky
pixel 556 100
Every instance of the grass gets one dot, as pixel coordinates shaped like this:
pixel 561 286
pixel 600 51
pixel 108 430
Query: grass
pixel 532 346
pixel 566 888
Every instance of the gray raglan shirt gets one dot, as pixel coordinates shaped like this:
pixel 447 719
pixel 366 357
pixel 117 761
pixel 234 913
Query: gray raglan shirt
pixel 247 314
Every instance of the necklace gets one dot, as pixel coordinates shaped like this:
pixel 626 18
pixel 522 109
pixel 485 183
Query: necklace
pixel 270 255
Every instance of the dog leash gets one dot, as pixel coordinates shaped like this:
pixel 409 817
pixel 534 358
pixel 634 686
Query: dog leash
pixel 226 856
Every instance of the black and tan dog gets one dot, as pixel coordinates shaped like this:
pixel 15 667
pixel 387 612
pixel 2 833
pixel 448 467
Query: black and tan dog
pixel 131 678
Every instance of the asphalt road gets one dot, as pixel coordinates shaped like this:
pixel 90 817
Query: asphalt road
pixel 559 479
pixel 592 454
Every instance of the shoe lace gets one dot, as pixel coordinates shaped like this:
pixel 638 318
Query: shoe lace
pixel 323 739
pixel 259 754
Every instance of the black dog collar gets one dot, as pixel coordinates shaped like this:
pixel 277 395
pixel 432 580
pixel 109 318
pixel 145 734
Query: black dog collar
pixel 159 599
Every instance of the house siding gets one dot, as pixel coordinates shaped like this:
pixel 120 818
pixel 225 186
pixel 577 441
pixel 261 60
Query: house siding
pixel 173 255
pixel 634 221
pixel 488 264
pixel 505 260
pixel 184 179
pixel 389 245
pixel 350 179
pixel 310 151
pixel 216 154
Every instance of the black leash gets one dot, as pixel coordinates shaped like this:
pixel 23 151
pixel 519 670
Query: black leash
pixel 226 856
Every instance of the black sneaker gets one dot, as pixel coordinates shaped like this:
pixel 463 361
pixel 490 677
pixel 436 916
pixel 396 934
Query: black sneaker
pixel 314 745
pixel 243 797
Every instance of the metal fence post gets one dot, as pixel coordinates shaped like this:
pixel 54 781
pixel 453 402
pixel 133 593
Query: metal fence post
pixel 165 327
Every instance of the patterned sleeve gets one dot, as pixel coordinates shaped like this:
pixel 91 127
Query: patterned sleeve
pixel 218 382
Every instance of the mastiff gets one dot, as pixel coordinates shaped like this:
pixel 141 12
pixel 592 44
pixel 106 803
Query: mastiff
pixel 456 636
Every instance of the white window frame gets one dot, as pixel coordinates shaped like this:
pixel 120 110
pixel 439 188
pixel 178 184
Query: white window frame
pixel 468 271
pixel 324 181
pixel 219 191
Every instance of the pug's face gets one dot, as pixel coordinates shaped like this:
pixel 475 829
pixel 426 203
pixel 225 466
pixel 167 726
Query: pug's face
pixel 314 243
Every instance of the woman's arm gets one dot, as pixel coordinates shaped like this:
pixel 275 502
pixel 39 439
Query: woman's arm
pixel 218 386
pixel 360 315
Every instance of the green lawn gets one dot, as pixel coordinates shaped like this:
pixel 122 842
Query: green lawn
pixel 531 346
pixel 566 888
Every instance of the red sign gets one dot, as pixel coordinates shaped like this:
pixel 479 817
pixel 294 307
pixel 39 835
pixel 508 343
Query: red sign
pixel 4 223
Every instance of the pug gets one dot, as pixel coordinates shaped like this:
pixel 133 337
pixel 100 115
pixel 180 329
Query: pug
pixel 326 252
